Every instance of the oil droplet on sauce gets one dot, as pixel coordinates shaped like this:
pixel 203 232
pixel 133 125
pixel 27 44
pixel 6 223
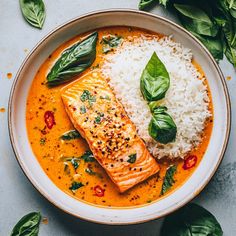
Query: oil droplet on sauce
pixel 2 109
pixel 228 77
pixel 9 75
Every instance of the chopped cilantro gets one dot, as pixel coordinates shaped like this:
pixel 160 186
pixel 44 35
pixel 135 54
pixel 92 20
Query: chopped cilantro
pixel 82 109
pixel 85 95
pixel 132 158
pixel 98 119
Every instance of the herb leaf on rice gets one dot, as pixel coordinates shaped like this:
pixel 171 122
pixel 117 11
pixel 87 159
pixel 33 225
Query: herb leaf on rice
pixel 155 80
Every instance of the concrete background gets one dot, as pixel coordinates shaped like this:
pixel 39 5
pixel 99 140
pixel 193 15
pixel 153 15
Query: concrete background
pixel 18 196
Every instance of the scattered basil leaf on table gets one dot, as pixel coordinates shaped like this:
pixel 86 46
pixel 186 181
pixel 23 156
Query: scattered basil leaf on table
pixel 155 80
pixel 28 225
pixel 162 128
pixel 73 61
pixel 71 134
pixel 143 4
pixel 196 20
pixel 109 42
pixel 191 220
pixel 169 179
pixel 33 12
pixel 214 45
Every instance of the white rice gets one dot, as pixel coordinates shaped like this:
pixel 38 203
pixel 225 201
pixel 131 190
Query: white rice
pixel 187 100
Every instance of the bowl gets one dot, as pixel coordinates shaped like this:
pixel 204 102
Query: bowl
pixel 105 215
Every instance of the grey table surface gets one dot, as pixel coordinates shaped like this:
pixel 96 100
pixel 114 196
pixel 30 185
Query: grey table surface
pixel 18 196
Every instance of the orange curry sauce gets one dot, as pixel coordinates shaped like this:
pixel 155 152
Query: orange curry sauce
pixel 49 148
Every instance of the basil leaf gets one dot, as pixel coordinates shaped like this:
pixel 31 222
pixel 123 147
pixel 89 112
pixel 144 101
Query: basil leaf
pixel 143 4
pixel 90 171
pixel 162 128
pixel 73 61
pixel 155 80
pixel 71 134
pixel 169 179
pixel 75 185
pixel 163 2
pixel 132 158
pixel 109 42
pixel 191 220
pixel 230 53
pixel 88 156
pixel 75 163
pixel 214 45
pixel 33 12
pixel 28 225
pixel 196 20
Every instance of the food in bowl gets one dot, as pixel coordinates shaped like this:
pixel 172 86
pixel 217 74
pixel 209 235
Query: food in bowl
pixel 154 87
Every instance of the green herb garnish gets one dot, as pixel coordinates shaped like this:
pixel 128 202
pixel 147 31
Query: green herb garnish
pixel 71 134
pixel 90 171
pixel 212 22
pixel 75 185
pixel 132 158
pixel 155 80
pixel 42 141
pixel 88 156
pixel 169 179
pixel 86 96
pixel 193 220
pixel 33 12
pixel 162 128
pixel 28 225
pixel 110 42
pixel 75 163
pixel 82 109
pixel 73 61
pixel 98 119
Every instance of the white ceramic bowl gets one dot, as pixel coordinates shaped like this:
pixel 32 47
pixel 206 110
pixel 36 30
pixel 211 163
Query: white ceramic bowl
pixel 30 165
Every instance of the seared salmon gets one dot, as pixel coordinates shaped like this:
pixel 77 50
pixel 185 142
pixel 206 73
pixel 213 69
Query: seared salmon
pixel 101 119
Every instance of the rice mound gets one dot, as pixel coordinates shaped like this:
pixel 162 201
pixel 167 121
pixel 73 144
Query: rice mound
pixel 187 100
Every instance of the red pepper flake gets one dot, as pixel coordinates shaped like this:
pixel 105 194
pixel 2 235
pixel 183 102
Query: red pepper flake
pixel 49 119
pixel 99 191
pixel 190 162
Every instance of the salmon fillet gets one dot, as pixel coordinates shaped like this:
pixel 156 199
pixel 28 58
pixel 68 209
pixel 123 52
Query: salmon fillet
pixel 101 119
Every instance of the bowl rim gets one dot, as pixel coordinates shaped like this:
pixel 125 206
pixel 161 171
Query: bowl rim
pixel 118 10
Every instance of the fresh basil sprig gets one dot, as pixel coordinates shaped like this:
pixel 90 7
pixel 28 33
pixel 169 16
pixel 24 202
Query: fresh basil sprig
pixel 192 220
pixel 33 12
pixel 28 225
pixel 162 128
pixel 154 83
pixel 73 61
pixel 155 80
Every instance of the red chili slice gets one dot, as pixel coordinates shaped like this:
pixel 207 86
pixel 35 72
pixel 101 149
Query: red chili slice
pixel 99 191
pixel 49 119
pixel 190 162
